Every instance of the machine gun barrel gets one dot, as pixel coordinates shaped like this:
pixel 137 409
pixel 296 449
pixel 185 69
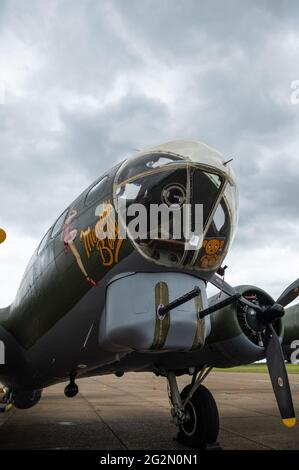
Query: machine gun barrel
pixel 163 309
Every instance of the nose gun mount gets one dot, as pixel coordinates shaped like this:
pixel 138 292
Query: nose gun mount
pixel 163 309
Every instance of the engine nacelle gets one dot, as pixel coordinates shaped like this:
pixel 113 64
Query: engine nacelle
pixel 291 332
pixel 232 341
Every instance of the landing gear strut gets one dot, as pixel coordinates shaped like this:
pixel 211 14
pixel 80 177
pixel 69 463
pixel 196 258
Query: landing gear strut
pixel 194 412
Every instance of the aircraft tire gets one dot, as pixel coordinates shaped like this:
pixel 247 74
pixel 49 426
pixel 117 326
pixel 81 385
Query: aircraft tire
pixel 202 427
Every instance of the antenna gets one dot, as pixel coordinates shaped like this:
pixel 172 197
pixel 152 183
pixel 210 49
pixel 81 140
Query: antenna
pixel 228 161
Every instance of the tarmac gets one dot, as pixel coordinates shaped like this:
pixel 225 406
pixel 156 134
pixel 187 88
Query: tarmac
pixel 132 412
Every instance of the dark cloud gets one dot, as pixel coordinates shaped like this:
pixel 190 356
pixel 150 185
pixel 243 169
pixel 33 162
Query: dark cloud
pixel 47 169
pixel 87 82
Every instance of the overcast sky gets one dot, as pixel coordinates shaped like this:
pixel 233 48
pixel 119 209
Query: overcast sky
pixel 85 82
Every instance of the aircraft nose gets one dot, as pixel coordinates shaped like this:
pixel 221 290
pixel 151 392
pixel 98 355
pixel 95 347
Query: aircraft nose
pixel 195 197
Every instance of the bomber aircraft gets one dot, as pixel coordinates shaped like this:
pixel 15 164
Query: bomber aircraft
pixel 95 302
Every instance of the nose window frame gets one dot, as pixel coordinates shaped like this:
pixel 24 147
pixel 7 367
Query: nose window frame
pixel 186 261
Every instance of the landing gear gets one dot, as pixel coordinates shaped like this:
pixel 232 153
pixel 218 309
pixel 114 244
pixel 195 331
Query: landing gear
pixel 201 426
pixel 194 412
pixel 71 390
pixel 25 399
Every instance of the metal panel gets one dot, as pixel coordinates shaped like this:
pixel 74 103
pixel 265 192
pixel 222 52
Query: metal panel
pixel 129 321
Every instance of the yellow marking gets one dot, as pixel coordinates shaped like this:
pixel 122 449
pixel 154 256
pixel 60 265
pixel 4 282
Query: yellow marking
pixel 162 325
pixel 2 235
pixel 199 334
pixel 118 246
pixel 289 422
pixel 87 238
pixel 108 248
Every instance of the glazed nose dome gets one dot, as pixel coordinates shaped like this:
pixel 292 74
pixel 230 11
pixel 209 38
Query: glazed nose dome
pixel 197 186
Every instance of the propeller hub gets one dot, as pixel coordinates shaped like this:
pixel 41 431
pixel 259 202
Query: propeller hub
pixel 259 319
pixel 253 321
pixel 271 313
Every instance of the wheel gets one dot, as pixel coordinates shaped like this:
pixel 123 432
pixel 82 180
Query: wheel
pixel 202 424
pixel 71 390
pixel 24 399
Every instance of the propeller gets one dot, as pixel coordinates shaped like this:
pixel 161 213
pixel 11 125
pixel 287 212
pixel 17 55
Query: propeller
pixel 289 294
pixel 261 319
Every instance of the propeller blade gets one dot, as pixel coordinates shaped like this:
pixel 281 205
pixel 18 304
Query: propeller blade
pixel 229 290
pixel 222 285
pixel 278 376
pixel 289 294
pixel 273 351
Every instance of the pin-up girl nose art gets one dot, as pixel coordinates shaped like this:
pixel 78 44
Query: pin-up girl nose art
pixel 69 236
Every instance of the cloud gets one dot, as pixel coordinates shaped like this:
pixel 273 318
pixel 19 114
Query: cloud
pixel 87 82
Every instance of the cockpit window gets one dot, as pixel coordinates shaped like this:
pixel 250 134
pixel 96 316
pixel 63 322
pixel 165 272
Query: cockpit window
pixel 97 191
pixel 43 243
pixel 59 224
